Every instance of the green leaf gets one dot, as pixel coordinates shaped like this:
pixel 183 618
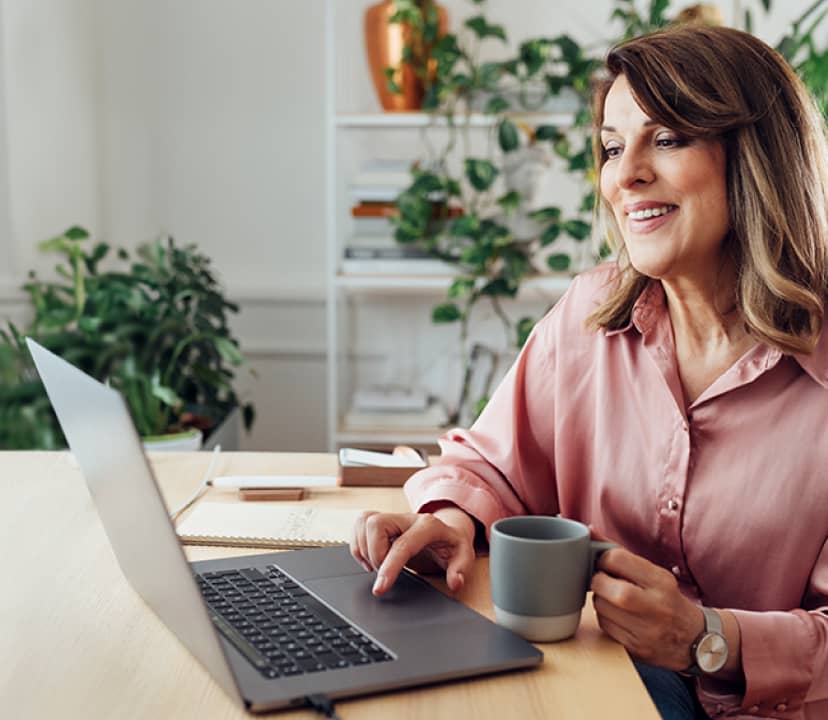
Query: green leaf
pixel 228 350
pixel 550 234
pixel 657 8
pixel 488 75
pixel 461 287
pixel 579 162
pixel 524 328
pixel 748 22
pixel 500 287
pixel 570 50
pixel 547 132
pixel 476 255
pixel 510 202
pixel 588 202
pixel 452 188
pixel 577 229
pixel 507 136
pixel 445 313
pixel 533 54
pixel 547 214
pixel 496 105
pixel 464 226
pixel 76 233
pixel 559 261
pixel 482 29
pixel 480 173
pixel 556 83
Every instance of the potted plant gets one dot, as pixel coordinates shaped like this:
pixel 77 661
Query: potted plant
pixel 492 227
pixel 154 328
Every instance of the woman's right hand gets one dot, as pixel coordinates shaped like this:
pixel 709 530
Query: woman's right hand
pixel 426 542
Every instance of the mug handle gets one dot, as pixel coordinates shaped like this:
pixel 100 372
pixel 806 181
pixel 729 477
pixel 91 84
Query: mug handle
pixel 596 548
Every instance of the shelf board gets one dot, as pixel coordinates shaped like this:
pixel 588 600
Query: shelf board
pixel 385 435
pixel 550 284
pixel 420 119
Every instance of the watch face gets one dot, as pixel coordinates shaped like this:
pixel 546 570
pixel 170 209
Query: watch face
pixel 711 653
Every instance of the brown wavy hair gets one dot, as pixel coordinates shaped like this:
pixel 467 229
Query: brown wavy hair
pixel 724 84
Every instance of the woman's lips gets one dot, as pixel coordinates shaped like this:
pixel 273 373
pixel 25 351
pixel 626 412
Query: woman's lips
pixel 646 225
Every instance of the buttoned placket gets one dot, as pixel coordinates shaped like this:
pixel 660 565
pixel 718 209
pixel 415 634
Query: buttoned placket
pixel 657 337
pixel 652 320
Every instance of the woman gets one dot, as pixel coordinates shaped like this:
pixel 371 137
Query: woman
pixel 675 399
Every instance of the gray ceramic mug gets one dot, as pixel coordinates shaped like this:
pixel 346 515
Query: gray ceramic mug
pixel 541 568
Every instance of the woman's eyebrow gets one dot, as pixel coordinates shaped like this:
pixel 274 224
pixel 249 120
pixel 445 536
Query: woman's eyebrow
pixel 610 128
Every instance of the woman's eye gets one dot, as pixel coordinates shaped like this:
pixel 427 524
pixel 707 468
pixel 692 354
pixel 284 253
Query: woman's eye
pixel 670 141
pixel 612 152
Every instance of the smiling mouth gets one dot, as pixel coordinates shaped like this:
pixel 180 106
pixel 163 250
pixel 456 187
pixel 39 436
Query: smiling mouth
pixel 652 212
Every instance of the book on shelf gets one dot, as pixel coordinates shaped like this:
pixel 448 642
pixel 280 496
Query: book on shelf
pixel 390 398
pixel 372 227
pixel 365 209
pixel 398 266
pixel 385 252
pixel 381 180
pixel 432 417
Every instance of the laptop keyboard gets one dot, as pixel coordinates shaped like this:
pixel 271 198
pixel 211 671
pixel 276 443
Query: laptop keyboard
pixel 281 628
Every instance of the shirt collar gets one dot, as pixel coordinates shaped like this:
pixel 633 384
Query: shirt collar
pixel 816 364
pixel 651 302
pixel 646 309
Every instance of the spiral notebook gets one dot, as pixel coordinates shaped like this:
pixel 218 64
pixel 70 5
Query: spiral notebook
pixel 268 525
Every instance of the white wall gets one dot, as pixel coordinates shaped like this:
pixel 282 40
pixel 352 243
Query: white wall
pixel 206 119
pixel 51 122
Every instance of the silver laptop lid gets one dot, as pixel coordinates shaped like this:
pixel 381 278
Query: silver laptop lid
pixel 100 432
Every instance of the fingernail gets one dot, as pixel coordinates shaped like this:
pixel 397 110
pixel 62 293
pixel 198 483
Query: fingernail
pixel 367 567
pixel 379 584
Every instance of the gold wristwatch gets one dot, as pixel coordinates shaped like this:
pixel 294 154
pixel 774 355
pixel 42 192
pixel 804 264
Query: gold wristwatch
pixel 708 652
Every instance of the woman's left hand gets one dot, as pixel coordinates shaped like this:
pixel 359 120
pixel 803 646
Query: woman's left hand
pixel 639 605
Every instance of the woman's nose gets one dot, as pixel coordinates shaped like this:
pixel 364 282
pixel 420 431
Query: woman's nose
pixel 634 168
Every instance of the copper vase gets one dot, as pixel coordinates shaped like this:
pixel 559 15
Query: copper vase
pixel 384 45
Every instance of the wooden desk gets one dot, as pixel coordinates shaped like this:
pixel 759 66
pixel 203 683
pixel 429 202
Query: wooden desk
pixel 77 642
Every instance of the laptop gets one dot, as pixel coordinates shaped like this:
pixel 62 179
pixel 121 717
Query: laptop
pixel 275 630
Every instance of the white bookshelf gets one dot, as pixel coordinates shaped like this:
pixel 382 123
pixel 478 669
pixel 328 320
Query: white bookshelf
pixel 546 285
pixel 355 129
pixel 408 120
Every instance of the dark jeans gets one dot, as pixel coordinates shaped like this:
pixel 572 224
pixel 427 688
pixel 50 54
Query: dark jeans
pixel 673 695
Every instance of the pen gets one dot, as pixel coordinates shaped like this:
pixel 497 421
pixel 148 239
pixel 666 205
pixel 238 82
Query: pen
pixel 235 482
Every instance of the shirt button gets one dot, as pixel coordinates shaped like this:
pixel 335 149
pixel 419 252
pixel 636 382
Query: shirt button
pixel 676 570
pixel 672 505
pixel 753 709
pixel 781 707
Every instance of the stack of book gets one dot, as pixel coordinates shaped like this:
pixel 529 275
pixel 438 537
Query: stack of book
pixel 372 249
pixel 398 408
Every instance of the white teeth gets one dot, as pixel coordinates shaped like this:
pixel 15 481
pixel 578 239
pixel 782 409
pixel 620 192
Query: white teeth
pixel 650 212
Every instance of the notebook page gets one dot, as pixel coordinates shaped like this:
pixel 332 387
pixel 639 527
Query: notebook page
pixel 267 525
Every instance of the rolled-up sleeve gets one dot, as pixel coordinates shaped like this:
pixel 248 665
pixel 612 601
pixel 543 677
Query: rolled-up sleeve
pixel 504 464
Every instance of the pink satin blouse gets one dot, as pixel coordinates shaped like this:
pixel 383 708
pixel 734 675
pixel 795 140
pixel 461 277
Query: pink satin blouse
pixel 731 494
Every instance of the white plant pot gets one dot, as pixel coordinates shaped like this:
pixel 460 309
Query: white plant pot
pixel 188 441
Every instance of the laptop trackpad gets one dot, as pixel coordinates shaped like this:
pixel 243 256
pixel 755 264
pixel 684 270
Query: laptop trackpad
pixel 410 601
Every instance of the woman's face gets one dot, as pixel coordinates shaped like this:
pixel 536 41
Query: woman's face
pixel 667 192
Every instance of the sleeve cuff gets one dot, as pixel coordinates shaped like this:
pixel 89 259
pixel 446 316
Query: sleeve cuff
pixel 478 502
pixel 777 652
